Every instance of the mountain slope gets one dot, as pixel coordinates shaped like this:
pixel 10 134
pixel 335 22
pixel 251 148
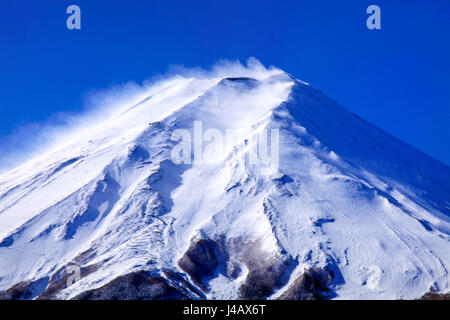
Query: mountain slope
pixel 349 211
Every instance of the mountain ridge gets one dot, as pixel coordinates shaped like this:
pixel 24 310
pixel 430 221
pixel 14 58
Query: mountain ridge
pixel 345 201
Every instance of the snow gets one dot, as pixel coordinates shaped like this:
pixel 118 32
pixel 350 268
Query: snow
pixel 345 192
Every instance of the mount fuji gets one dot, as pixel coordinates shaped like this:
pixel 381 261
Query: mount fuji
pixel 349 211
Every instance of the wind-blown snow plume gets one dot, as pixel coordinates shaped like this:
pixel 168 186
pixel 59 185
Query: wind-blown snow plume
pixel 30 140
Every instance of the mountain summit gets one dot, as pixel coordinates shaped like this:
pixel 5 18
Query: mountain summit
pixel 163 201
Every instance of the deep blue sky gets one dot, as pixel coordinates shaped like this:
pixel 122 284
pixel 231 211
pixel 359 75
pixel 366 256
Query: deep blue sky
pixel 397 78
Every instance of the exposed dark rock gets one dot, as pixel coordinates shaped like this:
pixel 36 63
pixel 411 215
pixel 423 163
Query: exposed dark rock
pixel 58 281
pixel 26 290
pixel 239 82
pixel 266 274
pixel 240 79
pixel 313 284
pixel 16 292
pixel 84 257
pixel 45 288
pixel 435 296
pixel 178 281
pixel 202 260
pixel 262 282
pixel 140 285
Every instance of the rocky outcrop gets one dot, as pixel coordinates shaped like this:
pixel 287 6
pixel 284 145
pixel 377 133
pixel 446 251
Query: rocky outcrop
pixel 139 285
pixel 20 291
pixel 312 284
pixel 435 296
pixel 59 281
pixel 266 273
pixel 202 260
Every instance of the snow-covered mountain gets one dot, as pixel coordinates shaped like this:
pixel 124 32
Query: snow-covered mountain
pixel 348 212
